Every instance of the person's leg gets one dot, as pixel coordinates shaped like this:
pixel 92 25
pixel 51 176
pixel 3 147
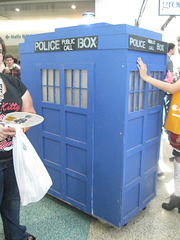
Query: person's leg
pixel 175 198
pixel 177 176
pixel 10 206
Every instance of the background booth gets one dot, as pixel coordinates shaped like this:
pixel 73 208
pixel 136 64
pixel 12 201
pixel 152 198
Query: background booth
pixel 101 136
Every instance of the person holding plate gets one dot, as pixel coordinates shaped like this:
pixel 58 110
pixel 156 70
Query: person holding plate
pixel 14 97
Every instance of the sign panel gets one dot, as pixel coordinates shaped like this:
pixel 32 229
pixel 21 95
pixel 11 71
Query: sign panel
pixel 169 8
pixel 67 44
pixel 147 45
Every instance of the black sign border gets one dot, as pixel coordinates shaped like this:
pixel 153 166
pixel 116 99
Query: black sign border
pixel 75 48
pixel 147 45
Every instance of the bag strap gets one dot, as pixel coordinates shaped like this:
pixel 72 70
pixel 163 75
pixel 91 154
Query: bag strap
pixel 1 92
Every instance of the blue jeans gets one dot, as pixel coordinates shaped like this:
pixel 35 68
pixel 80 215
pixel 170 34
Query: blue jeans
pixel 10 203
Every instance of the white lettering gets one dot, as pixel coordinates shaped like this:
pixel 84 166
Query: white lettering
pixel 160 47
pixel 150 41
pixel 80 43
pixel 68 41
pixel 137 43
pixel 47 45
pixel 93 43
pixel 151 48
pixel 87 42
pixel 68 47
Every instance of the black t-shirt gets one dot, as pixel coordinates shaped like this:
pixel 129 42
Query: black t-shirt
pixel 12 102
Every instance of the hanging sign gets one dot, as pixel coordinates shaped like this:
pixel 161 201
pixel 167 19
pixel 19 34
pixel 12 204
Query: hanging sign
pixel 169 8
pixel 67 44
pixel 147 45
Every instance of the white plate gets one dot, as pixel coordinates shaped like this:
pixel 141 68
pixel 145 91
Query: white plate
pixel 22 119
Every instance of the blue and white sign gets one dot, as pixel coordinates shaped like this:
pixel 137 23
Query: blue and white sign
pixel 169 8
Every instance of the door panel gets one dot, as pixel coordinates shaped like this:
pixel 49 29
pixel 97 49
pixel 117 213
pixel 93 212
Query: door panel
pixel 66 103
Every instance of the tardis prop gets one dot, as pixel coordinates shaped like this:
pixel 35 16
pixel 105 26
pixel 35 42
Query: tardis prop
pixel 100 137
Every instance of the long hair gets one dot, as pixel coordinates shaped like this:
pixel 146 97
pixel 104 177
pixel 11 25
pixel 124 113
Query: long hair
pixel 3 47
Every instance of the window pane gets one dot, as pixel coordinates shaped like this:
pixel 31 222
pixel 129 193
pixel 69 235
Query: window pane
pixel 156 75
pixel 142 84
pixel 136 81
pixel 154 98
pixel 57 78
pixel 131 82
pixel 44 93
pixel 141 100
pixel 149 99
pixel 68 78
pixel 57 95
pixel 76 97
pixel 84 78
pixel 50 94
pixel 76 78
pixel 136 101
pixel 151 74
pixel 160 75
pixel 150 86
pixel 83 98
pixel 44 77
pixel 50 77
pixel 68 96
pixel 130 102
pixel 159 97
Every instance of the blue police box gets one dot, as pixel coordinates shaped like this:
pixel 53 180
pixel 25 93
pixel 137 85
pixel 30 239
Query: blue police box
pixel 100 138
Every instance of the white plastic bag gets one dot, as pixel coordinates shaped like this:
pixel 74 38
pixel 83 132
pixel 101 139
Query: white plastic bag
pixel 32 177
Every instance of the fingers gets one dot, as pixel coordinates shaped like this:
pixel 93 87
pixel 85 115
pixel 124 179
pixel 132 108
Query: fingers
pixel 140 64
pixel 6 132
pixel 10 131
pixel 139 61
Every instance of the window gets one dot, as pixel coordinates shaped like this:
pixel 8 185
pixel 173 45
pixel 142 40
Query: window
pixel 76 87
pixel 50 86
pixel 154 95
pixel 136 92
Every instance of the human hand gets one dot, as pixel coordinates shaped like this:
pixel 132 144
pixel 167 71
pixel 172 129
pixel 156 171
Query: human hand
pixel 6 132
pixel 142 68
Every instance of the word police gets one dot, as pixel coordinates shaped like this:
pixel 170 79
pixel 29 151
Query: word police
pixel 67 44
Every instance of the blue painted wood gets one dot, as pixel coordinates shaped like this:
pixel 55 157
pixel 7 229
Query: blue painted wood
pixel 103 159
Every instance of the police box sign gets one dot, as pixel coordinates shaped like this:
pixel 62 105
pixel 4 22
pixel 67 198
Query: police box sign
pixel 67 44
pixel 147 45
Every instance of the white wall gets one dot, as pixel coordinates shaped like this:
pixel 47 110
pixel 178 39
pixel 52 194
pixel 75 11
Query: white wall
pixel 114 11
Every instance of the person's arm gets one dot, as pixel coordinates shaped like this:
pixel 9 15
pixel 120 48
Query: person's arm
pixel 27 105
pixel 171 88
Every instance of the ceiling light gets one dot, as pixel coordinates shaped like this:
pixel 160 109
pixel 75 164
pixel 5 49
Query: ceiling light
pixel 73 6
pixel 17 9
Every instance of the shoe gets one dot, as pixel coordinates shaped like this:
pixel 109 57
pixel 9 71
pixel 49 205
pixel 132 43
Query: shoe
pixel 31 237
pixel 160 174
pixel 173 203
